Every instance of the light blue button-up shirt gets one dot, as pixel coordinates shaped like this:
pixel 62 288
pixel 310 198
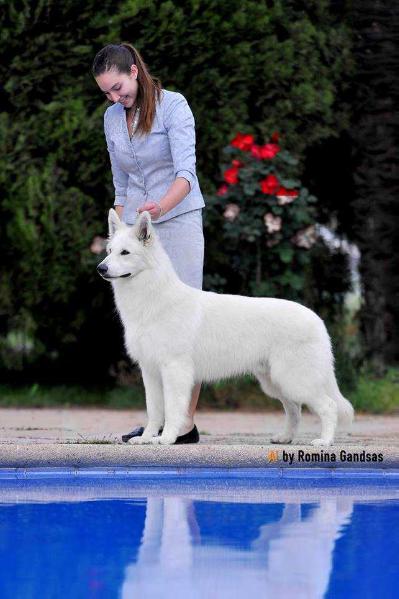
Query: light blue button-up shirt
pixel 145 166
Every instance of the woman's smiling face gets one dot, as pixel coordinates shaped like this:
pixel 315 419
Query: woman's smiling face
pixel 119 87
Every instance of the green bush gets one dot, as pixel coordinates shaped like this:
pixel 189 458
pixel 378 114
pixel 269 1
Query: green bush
pixel 265 219
pixel 376 394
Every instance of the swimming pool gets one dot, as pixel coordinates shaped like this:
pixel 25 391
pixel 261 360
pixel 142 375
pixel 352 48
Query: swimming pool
pixel 198 533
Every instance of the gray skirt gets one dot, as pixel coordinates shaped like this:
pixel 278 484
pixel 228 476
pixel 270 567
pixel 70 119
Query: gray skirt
pixel 182 238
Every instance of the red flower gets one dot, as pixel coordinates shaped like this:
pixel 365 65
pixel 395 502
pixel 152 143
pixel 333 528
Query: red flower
pixel 231 175
pixel 269 151
pixel 222 190
pixel 242 142
pixel 292 193
pixel 270 184
pixel 237 163
pixel 265 152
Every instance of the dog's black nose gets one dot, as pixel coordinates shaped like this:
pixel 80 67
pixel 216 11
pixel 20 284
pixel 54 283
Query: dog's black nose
pixel 102 268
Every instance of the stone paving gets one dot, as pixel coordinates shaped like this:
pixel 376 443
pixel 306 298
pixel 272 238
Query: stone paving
pixel 77 437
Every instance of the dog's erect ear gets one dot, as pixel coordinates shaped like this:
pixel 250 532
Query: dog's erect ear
pixel 114 222
pixel 143 228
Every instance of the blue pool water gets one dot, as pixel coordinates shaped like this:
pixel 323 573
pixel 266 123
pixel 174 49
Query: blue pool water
pixel 206 534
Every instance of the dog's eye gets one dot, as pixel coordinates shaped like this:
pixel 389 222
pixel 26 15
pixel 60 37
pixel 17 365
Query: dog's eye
pixel 124 252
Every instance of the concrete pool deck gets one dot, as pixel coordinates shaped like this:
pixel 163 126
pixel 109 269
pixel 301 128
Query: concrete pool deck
pixel 86 437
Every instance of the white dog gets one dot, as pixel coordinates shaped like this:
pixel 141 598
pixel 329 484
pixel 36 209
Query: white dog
pixel 180 336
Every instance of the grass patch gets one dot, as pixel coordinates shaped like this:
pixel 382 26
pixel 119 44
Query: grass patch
pixel 377 395
pixel 369 394
pixel 65 396
pixel 232 394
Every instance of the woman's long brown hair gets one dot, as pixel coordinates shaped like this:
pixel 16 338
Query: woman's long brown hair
pixel 121 57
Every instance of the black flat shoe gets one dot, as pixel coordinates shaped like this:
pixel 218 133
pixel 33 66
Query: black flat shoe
pixel 191 437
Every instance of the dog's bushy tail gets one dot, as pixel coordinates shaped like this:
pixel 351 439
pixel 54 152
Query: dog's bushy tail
pixel 346 413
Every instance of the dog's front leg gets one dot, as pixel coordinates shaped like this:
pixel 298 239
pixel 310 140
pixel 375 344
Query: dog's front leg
pixel 155 405
pixel 178 382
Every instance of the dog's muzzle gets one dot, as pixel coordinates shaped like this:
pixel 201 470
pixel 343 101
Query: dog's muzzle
pixel 102 269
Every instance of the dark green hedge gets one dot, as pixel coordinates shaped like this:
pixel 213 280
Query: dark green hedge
pixel 243 66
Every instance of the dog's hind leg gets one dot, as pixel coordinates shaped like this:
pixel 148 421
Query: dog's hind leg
pixel 292 410
pixel 178 382
pixel 327 410
pixel 155 405
pixel 302 374
pixel 318 401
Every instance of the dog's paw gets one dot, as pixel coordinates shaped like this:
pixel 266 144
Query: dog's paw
pixel 143 440
pixel 321 443
pixel 284 439
pixel 163 440
pixel 155 441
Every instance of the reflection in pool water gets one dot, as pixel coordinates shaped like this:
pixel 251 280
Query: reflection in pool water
pixel 199 544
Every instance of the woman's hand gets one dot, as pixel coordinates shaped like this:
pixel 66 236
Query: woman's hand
pixel 153 208
pixel 119 210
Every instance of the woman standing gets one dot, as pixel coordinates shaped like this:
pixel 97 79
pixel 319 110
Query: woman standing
pixel 150 136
